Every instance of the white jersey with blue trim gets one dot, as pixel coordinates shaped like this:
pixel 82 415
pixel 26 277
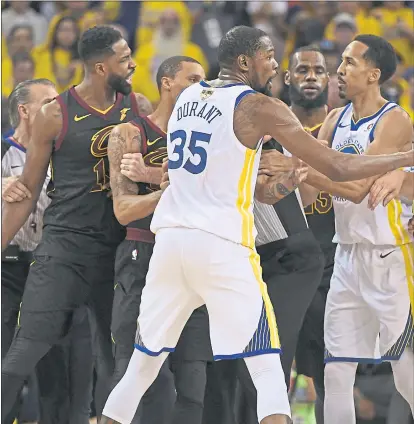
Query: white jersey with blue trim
pixel 356 223
pixel 212 175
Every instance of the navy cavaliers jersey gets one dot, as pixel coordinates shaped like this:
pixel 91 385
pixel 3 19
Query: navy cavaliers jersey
pixel 80 220
pixel 154 150
pixel 321 218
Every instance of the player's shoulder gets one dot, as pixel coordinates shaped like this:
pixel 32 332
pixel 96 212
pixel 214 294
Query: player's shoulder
pixel 144 105
pixel 334 114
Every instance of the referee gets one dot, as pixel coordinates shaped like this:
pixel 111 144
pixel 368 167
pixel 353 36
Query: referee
pixel 64 391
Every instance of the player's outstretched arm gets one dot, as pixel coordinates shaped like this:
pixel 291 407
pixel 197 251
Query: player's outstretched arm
pixel 46 128
pixel 128 207
pixel 391 135
pixel 144 105
pixel 258 115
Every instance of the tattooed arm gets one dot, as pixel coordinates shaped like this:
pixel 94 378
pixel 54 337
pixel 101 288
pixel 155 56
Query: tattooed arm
pixel 272 188
pixel 46 127
pixel 144 105
pixel 128 207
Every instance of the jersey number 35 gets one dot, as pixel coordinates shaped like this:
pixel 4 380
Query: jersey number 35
pixel 194 145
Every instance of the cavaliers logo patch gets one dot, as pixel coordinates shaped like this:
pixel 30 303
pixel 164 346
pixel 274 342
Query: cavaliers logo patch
pixel 206 93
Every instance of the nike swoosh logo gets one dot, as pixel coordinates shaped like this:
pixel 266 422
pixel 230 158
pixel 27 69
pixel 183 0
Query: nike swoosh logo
pixel 343 126
pixel 150 143
pixel 79 118
pixel 16 166
pixel 384 256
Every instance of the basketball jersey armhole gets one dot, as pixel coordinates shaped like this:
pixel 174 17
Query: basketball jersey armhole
pixel 144 146
pixel 238 100
pixel 339 121
pixel 65 122
pixel 371 134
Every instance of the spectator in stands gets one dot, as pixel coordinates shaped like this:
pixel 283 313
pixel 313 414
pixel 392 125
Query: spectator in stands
pixel 23 67
pixel 150 14
pixel 360 11
pixel 168 40
pixel 397 22
pixel 58 59
pixel 345 30
pixel 19 40
pixel 20 13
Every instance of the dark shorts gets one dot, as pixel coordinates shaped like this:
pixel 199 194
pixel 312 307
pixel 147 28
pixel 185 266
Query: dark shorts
pixel 55 288
pixel 310 348
pixel 131 267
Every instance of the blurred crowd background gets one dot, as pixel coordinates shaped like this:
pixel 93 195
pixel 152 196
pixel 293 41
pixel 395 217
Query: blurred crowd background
pixel 39 40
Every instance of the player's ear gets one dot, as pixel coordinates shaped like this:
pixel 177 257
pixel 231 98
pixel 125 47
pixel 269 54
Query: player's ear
pixel 166 83
pixel 100 68
pixel 23 112
pixel 287 78
pixel 375 75
pixel 243 62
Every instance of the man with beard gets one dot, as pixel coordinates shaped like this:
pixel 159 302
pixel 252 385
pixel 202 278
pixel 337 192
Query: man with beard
pixel 291 258
pixel 74 262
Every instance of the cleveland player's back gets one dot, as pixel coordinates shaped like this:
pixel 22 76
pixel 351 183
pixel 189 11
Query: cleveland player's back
pixel 212 174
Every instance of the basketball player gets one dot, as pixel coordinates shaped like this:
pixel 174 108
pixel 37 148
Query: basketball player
pixel 372 281
pixel 147 136
pixel 74 261
pixel 204 251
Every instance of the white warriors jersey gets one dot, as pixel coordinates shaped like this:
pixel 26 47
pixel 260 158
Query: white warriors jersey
pixel 212 175
pixel 356 223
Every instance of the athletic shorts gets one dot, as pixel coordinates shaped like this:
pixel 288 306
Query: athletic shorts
pixel 190 268
pixel 131 267
pixel 367 316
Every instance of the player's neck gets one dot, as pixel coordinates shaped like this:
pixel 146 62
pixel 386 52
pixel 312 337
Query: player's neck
pixel 95 95
pixel 162 114
pixel 21 135
pixel 310 117
pixel 230 76
pixel 366 104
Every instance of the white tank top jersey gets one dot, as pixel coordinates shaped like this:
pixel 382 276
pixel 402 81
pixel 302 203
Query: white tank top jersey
pixel 212 175
pixel 355 223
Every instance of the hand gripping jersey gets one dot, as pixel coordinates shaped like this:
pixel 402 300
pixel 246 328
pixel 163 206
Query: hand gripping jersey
pixel 355 223
pixel 212 175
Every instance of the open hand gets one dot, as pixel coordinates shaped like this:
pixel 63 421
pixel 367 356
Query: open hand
pixel 386 188
pixel 13 190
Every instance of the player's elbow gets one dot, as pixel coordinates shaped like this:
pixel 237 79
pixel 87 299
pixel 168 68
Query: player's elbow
pixel 121 213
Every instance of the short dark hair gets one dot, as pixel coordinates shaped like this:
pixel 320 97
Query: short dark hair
pixel 310 48
pixel 239 40
pixel 22 57
pixel 97 42
pixel 171 66
pixel 17 28
pixel 380 53
pixel 21 95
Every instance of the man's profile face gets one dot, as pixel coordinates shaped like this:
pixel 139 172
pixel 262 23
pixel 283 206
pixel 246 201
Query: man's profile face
pixel 354 71
pixel 189 74
pixel 120 68
pixel 263 67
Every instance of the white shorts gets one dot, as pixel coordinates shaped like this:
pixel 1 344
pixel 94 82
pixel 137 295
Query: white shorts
pixel 189 268
pixel 367 316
